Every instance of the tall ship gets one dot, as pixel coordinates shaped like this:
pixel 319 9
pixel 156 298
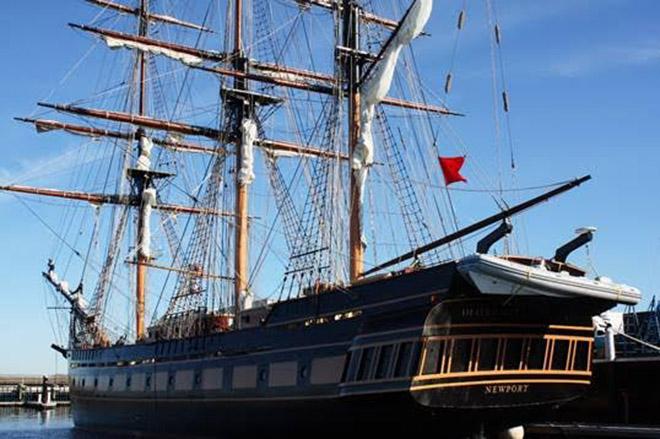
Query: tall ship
pixel 272 247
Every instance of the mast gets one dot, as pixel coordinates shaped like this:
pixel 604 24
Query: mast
pixel 142 183
pixel 351 23
pixel 240 110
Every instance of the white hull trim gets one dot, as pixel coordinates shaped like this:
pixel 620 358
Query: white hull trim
pixel 493 275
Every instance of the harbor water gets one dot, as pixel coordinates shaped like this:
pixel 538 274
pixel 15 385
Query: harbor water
pixel 17 422
pixel 22 423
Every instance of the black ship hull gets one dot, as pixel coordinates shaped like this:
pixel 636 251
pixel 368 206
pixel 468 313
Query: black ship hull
pixel 395 414
pixel 624 392
pixel 420 350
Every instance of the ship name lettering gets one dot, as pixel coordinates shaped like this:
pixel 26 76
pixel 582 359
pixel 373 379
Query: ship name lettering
pixel 506 388
pixel 487 312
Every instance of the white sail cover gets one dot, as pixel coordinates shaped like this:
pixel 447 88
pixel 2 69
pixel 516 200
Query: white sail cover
pixel 119 43
pixel 75 298
pixel 144 160
pixel 148 201
pixel 246 170
pixel 148 197
pixel 376 87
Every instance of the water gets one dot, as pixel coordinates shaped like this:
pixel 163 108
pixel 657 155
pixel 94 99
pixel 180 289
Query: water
pixel 21 423
pixel 16 422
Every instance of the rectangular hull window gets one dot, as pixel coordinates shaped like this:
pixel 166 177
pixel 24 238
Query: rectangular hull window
pixel 244 377
pixel 183 380
pixel 212 379
pixel 327 370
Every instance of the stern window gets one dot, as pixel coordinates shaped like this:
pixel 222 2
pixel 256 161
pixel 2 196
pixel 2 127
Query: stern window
pixel 384 361
pixel 560 355
pixel 488 349
pixel 365 364
pixel 536 354
pixel 403 360
pixel 460 360
pixel 582 356
pixel 514 350
pixel 433 357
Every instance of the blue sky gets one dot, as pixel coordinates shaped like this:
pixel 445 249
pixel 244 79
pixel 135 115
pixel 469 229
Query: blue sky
pixel 584 85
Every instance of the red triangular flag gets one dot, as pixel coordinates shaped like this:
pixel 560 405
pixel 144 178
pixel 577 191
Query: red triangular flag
pixel 451 167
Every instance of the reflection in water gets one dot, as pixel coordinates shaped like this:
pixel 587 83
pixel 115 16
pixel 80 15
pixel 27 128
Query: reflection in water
pixel 21 423
pixel 16 422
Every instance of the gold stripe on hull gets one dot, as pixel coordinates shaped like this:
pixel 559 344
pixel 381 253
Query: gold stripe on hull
pixel 499 372
pixel 486 382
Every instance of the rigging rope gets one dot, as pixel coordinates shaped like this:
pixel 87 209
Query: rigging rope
pixel 50 229
pixel 460 24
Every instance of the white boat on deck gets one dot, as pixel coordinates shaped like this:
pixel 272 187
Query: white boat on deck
pixel 541 277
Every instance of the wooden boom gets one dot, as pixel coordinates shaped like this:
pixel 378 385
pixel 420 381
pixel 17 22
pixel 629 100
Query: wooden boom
pixel 143 121
pixel 153 17
pixel 203 54
pixel 480 225
pixel 318 82
pixel 364 15
pixel 125 200
pixel 163 125
pixel 43 125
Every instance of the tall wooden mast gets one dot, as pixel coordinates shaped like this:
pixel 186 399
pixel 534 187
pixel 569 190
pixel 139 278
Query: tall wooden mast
pixel 240 110
pixel 351 23
pixel 141 182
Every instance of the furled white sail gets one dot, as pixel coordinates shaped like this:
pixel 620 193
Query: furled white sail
pixel 148 202
pixel 75 298
pixel 148 197
pixel 249 135
pixel 376 87
pixel 120 43
pixel 274 154
pixel 144 159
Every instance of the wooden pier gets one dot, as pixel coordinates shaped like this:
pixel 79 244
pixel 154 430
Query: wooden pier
pixel 38 392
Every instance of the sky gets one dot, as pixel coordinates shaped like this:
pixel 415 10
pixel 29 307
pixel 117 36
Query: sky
pixel 583 78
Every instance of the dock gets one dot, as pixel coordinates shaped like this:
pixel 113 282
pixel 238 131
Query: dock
pixel 578 429
pixel 34 391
